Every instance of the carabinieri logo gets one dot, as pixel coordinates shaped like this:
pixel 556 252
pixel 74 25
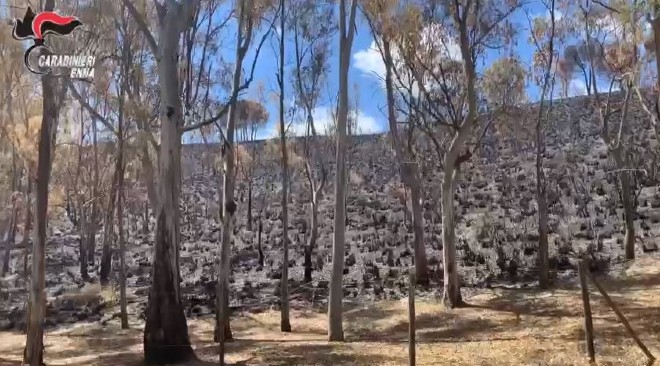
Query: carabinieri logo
pixel 36 27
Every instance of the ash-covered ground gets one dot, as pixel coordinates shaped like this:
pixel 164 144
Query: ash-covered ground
pixel 496 225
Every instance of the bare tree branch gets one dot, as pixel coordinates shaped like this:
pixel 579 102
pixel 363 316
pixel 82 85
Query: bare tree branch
pixel 235 94
pixel 142 24
pixel 599 2
pixel 90 109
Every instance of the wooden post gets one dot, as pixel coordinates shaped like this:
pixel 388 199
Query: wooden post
pixel 411 319
pixel 623 319
pixel 583 270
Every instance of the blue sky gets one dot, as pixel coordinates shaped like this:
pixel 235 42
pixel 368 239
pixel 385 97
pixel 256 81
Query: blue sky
pixel 367 88
pixel 365 63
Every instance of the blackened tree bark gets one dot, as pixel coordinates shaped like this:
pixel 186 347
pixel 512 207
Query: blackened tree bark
pixel 28 223
pixel 166 337
pixel 82 212
pixel 108 232
pixel 259 247
pixel 94 210
pixel 249 211
pixel 543 257
pixel 33 353
pixel 10 237
pixel 285 324
pixel 126 61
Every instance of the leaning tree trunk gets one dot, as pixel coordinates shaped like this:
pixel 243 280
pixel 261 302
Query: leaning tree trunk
pixel 451 164
pixel 452 161
pixel 33 353
pixel 166 337
pixel 408 171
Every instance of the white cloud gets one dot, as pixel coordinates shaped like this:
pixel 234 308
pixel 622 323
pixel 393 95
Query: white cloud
pixel 370 62
pixel 325 124
pixel 610 27
pixel 576 88
pixel 558 15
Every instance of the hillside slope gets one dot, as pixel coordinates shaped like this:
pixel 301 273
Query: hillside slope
pixel 496 220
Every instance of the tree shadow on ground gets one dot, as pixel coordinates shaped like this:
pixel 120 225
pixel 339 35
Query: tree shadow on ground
pixel 8 362
pixel 525 302
pixel 101 340
pixel 366 313
pixel 281 353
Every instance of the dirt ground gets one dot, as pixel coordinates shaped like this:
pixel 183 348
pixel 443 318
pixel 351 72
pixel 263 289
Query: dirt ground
pixel 499 327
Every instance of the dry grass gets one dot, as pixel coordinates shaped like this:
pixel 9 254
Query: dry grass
pixel 500 327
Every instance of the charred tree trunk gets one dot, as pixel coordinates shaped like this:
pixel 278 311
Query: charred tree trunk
pixel 145 222
pixel 108 233
pixel 11 229
pixel 120 190
pixel 122 247
pixel 259 248
pixel 543 260
pixel 541 196
pixel 655 117
pixel 285 323
pixel 81 212
pixel 28 224
pixel 90 235
pixel 166 337
pixel 313 236
pixel 10 237
pixel 93 219
pixel 34 347
pixel 627 198
pixel 249 210
pixel 82 242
